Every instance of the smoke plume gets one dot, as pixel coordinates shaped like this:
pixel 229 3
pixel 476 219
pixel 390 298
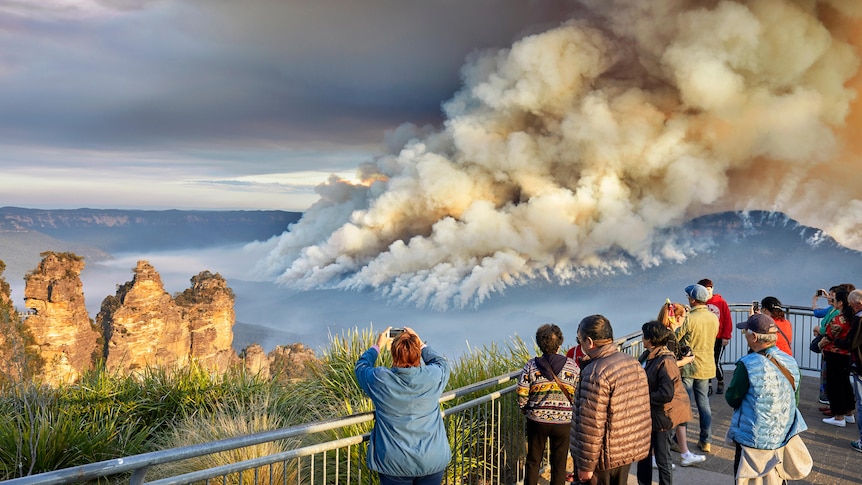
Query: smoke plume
pixel 573 152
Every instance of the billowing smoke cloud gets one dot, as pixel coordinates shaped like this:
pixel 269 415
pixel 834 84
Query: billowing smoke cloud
pixel 571 153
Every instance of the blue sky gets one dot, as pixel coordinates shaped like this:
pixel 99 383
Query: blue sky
pixel 217 104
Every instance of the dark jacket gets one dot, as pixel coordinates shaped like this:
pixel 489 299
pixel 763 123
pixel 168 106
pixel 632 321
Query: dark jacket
pixel 669 404
pixel 611 426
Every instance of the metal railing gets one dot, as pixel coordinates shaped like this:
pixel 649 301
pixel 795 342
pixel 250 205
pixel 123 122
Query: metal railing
pixel 485 431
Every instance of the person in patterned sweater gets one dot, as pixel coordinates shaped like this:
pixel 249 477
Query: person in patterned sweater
pixel 545 391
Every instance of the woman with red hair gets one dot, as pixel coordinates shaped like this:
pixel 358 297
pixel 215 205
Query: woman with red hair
pixel 408 443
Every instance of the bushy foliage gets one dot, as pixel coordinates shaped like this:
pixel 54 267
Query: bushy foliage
pixel 106 416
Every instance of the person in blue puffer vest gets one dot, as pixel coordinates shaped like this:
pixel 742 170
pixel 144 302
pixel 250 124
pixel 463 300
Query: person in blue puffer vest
pixel 764 393
pixel 408 443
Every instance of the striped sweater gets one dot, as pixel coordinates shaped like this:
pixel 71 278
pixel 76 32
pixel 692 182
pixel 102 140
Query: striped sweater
pixel 541 399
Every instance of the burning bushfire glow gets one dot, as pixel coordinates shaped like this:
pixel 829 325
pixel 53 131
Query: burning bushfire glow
pixel 567 154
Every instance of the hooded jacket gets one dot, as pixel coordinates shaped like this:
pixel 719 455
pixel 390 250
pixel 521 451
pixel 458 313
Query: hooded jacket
pixel 669 401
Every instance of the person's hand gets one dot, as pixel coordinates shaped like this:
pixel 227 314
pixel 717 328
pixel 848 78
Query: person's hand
pixel 585 476
pixel 410 330
pixel 823 342
pixel 724 342
pixel 383 339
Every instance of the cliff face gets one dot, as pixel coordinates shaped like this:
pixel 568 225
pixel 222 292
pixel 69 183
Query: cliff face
pixel 208 308
pixel 143 326
pixel 62 335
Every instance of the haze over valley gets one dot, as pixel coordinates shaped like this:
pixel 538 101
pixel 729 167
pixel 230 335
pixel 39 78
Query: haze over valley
pixel 748 255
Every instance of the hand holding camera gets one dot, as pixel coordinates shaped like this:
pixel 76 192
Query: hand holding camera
pixel 390 334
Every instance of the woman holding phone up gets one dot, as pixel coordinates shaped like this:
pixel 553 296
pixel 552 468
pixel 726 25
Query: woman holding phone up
pixel 408 443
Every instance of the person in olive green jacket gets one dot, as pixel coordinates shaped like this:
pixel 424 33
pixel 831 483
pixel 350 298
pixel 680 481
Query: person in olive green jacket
pixel 698 331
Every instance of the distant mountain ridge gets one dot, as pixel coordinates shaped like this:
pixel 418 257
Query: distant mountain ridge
pixel 114 230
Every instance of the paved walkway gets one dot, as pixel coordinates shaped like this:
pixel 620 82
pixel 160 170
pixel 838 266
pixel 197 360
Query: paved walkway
pixel 834 461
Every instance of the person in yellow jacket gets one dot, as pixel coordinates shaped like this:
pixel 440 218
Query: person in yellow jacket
pixel 698 331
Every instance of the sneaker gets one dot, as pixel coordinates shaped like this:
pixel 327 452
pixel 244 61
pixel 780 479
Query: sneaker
pixel 719 389
pixel 691 459
pixel 856 445
pixel 850 419
pixel 823 400
pixel 835 422
pixel 704 447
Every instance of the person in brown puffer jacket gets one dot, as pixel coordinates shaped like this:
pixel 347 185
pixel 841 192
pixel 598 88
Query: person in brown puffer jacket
pixel 611 426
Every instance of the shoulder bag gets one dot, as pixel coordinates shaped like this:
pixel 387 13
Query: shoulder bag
pixel 815 344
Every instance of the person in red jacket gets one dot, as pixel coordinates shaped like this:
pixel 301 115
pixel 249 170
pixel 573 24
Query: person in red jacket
pixel 718 306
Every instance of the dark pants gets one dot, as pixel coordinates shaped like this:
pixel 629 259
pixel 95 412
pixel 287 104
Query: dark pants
pixel 433 479
pixel 660 448
pixel 838 388
pixel 537 435
pixel 717 351
pixel 614 476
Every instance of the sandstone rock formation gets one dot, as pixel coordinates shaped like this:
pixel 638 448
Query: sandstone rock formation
pixel 15 362
pixel 285 363
pixel 61 331
pixel 140 326
pixel 208 308
pixel 291 362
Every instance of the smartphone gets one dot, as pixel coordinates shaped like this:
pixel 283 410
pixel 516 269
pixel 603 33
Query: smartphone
pixel 755 305
pixel 822 292
pixel 395 332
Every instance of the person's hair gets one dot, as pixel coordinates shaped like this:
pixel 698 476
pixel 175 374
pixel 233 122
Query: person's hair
pixel 656 333
pixel 664 314
pixel 549 338
pixel 596 327
pixel 848 286
pixel 855 296
pixel 406 350
pixel 835 288
pixel 767 338
pixel 706 283
pixel 773 305
pixel 846 311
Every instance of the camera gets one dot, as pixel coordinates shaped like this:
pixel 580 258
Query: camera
pixel 395 332
pixel 755 305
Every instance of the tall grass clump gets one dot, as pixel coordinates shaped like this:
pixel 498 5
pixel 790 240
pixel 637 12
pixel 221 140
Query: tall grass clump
pixel 105 416
pixel 230 419
pixel 40 431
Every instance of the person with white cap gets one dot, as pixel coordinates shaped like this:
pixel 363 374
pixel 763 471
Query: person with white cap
pixel 698 331
pixel 764 394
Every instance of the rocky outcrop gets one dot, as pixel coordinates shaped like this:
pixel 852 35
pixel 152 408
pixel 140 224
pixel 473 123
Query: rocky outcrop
pixel 140 326
pixel 208 309
pixel 291 362
pixel 285 363
pixel 143 325
pixel 15 363
pixel 62 334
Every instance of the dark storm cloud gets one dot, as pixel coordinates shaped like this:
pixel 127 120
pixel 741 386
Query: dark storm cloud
pixel 162 74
